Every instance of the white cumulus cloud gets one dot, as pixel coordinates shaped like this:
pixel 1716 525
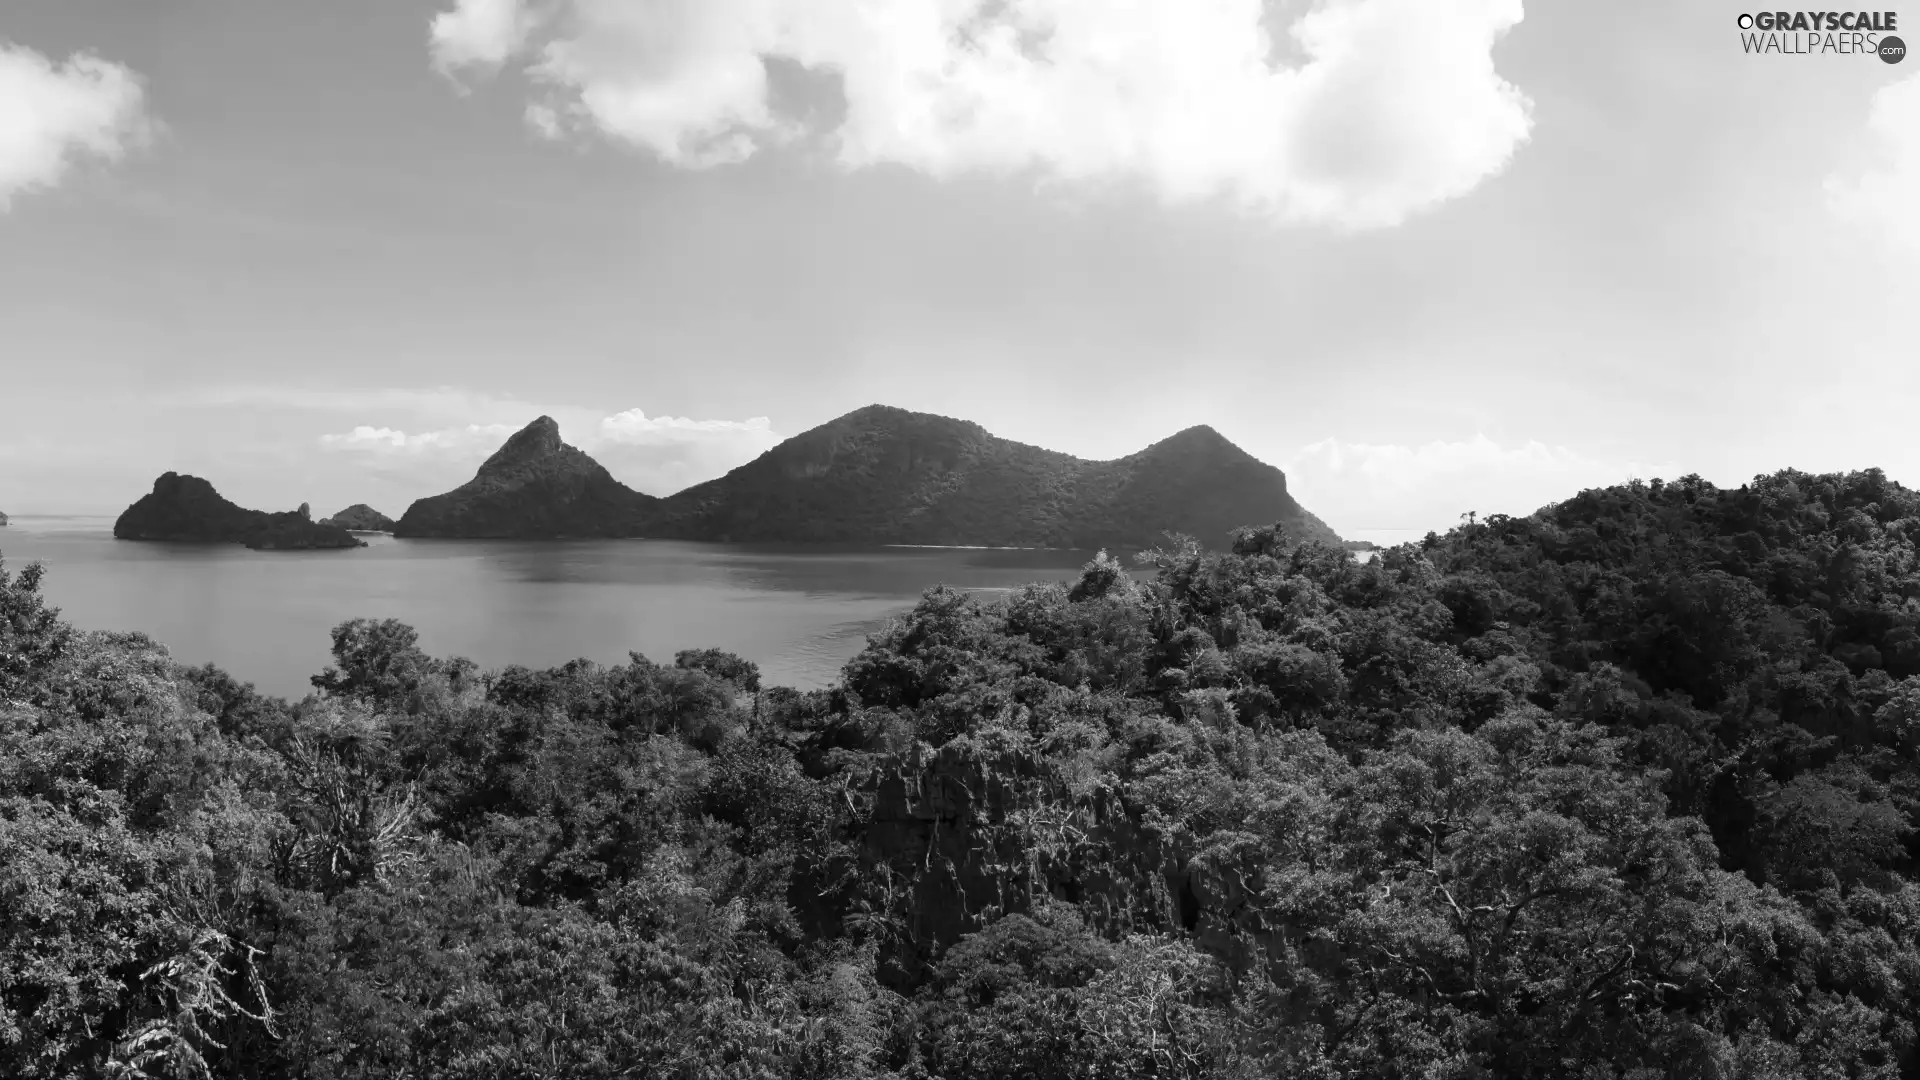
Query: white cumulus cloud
pixel 663 454
pixel 1363 113
pixel 1886 195
pixel 636 428
pixel 658 454
pixel 390 440
pixel 479 33
pixel 1362 489
pixel 52 114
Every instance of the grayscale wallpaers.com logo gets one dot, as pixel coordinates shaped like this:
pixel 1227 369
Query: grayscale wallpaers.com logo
pixel 1805 33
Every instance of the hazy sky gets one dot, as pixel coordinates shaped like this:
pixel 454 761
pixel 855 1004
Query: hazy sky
pixel 1426 255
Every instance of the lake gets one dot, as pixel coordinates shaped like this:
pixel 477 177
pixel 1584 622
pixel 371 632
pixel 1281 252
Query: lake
pixel 800 612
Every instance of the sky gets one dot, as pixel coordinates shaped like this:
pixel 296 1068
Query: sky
pixel 1427 256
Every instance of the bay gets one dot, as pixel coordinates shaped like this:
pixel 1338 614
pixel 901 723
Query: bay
pixel 799 611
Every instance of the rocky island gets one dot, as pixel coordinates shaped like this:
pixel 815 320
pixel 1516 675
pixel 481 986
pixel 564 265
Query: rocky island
pixel 3 519
pixel 187 508
pixel 534 487
pixel 882 475
pixel 360 518
pixel 891 476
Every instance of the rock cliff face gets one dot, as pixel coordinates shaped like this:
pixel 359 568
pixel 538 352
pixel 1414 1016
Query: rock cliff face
pixel 3 519
pixel 534 487
pixel 881 475
pixel 187 508
pixel 360 518
pixel 965 834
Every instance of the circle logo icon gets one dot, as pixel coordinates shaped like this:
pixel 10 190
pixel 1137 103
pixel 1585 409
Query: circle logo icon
pixel 1892 49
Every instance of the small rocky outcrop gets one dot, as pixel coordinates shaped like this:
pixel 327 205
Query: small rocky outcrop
pixel 360 518
pixel 188 509
pixel 534 487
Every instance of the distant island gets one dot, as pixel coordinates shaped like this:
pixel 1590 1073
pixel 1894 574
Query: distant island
pixel 3 519
pixel 534 487
pixel 187 508
pixel 881 475
pixel 360 518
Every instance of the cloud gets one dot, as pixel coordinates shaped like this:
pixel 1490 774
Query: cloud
pixel 1362 488
pixel 387 440
pixel 663 454
pixel 52 114
pixel 479 33
pixel 1384 108
pixel 658 455
pixel 636 428
pixel 1882 197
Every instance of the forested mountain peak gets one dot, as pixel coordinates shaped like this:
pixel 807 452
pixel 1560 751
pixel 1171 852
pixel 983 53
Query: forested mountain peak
pixel 881 474
pixel 537 440
pixel 535 486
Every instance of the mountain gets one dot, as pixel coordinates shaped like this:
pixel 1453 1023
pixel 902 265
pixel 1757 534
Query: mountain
pixel 887 475
pixel 884 475
pixel 188 508
pixel 534 487
pixel 360 518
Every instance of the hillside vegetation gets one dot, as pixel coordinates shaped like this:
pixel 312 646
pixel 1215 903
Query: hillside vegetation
pixel 1625 789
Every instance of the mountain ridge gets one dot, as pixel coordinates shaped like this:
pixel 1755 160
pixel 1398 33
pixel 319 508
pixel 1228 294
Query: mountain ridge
pixel 881 474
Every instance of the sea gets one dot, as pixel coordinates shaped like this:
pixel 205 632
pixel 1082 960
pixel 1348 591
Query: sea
pixel 800 612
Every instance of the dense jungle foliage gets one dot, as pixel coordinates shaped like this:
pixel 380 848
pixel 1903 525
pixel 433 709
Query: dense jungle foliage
pixel 1624 789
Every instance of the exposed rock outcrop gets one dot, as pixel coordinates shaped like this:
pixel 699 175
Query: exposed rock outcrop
pixel 187 508
pixel 360 518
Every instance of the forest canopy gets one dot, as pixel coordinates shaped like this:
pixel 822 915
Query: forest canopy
pixel 1627 788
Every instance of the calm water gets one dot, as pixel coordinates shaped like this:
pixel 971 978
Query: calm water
pixel 799 612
